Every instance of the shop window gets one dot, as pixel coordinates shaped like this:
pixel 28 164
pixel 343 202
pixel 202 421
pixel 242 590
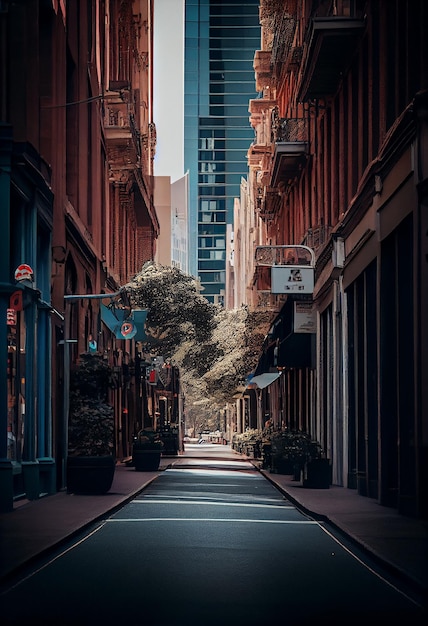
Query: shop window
pixel 16 338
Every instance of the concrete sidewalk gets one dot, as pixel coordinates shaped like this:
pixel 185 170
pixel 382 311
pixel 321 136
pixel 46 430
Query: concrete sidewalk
pixel 36 526
pixel 399 542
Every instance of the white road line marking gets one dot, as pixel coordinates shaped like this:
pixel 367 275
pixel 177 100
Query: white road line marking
pixel 52 560
pixel 367 566
pixel 210 519
pixel 213 498
pixel 205 485
pixel 205 503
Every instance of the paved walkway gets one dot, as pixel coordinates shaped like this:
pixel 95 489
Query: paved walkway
pixel 401 543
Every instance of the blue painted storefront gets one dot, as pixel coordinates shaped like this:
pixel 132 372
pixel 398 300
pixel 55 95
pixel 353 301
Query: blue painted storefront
pixel 27 466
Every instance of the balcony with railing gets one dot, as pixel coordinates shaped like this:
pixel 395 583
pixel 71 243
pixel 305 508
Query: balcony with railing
pixel 291 140
pixel 329 46
pixel 121 131
pixel 266 301
pixel 268 203
pixel 316 237
pixel 116 114
pixel 282 41
pixel 262 296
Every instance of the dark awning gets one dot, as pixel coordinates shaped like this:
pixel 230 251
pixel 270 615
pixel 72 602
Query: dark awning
pixel 290 341
pixel 297 350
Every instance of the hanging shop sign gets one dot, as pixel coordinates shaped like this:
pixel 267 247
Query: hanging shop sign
pixel 11 317
pixel 24 272
pixel 128 330
pixel 292 268
pixel 15 301
pixel 123 325
pixel 153 377
pixel 292 279
pixel 304 317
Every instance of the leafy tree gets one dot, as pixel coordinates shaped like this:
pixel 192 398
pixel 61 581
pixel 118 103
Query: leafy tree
pixel 214 348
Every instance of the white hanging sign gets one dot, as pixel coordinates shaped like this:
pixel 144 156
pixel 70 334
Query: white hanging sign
pixel 304 317
pixel 292 279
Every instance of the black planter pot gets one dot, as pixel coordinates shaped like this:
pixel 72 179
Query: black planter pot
pixel 170 444
pixel 267 456
pixel 280 465
pixel 90 475
pixel 297 471
pixel 317 474
pixel 146 457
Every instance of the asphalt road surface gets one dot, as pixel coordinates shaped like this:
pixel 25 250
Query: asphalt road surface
pixel 208 542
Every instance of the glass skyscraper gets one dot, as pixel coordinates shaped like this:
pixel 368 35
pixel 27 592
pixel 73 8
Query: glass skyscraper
pixel 221 38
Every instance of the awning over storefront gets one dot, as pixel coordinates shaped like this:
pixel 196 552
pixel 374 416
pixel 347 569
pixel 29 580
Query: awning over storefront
pixel 297 350
pixel 290 342
pixel 264 380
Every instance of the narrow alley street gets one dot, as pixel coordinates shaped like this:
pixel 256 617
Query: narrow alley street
pixel 210 540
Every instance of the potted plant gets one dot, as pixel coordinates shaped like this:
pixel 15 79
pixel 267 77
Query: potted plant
pixel 169 437
pixel 289 452
pixel 147 450
pixel 268 434
pixel 91 460
pixel 248 443
pixel 317 468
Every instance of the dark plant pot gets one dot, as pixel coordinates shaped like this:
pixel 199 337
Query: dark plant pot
pixel 267 456
pixel 281 465
pixel 317 474
pixel 170 444
pixel 146 458
pixel 90 475
pixel 297 471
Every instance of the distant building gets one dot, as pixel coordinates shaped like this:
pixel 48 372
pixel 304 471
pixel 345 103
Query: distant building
pixel 179 223
pixel 171 207
pixel 220 39
pixel 162 201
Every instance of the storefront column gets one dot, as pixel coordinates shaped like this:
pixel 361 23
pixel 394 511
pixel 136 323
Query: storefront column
pixel 259 393
pixel 6 470
pixel 30 465
pixel 240 411
pixel 421 300
pixel 47 466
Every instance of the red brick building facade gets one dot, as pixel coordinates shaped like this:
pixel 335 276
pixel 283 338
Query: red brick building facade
pixel 77 147
pixel 340 164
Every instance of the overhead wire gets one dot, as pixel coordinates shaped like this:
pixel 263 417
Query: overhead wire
pixel 68 104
